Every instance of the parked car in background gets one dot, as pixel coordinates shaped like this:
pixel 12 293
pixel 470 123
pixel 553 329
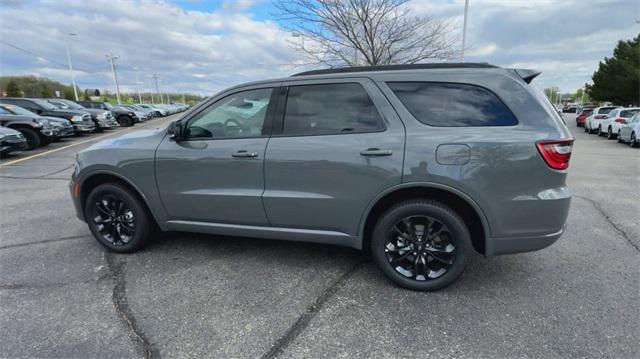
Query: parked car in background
pixel 592 123
pixel 630 131
pixel 61 127
pixel 36 130
pixel 103 119
pixel 616 119
pixel 81 120
pixel 11 140
pixel 139 115
pixel 570 109
pixel 159 112
pixel 125 118
pixel 418 164
pixel 582 116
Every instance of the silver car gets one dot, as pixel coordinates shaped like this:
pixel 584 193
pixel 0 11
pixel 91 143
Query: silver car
pixel 417 164
pixel 630 131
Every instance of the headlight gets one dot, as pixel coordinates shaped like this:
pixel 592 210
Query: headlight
pixel 131 114
pixel 39 123
pixel 76 118
pixel 102 116
pixel 1 137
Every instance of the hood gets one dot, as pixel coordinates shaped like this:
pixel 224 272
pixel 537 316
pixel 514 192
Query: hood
pixel 18 118
pixel 8 131
pixel 131 139
pixel 64 113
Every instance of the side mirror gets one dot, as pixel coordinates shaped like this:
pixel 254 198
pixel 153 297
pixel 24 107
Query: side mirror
pixel 174 130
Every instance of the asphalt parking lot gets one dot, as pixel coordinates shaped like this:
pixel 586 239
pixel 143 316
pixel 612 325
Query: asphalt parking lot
pixel 187 295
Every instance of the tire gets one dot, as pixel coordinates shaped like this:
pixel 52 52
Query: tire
pixel 125 121
pixel 425 273
pixel 33 138
pixel 600 133
pixel 618 137
pixel 633 141
pixel 134 221
pixel 45 141
pixel 610 133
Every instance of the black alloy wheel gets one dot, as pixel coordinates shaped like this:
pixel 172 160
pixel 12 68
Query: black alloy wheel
pixel 117 218
pixel 420 245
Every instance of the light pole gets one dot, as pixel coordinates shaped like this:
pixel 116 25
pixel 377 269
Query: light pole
pixel 112 60
pixel 155 77
pixel 464 29
pixel 73 78
pixel 135 68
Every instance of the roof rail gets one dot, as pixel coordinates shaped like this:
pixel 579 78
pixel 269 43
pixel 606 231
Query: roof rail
pixel 444 65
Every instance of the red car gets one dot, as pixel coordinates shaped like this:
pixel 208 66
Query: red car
pixel 582 117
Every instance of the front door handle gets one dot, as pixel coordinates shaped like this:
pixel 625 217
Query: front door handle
pixel 376 152
pixel 245 154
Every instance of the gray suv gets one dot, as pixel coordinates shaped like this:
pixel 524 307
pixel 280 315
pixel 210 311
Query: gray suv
pixel 418 164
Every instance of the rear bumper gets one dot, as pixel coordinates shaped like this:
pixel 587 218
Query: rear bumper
pixel 509 245
pixel 10 146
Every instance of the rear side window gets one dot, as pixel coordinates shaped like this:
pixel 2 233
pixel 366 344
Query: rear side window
pixel 628 113
pixel 329 109
pixel 452 105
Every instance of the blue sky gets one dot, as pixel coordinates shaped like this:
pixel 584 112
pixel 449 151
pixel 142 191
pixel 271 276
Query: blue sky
pixel 203 46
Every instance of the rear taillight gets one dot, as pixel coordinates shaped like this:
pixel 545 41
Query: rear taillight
pixel 556 153
pixel 619 120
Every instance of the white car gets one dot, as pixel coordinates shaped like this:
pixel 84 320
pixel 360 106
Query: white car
pixel 630 131
pixel 615 120
pixel 592 123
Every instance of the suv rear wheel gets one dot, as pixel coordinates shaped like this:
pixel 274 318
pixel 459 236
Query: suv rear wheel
pixel 420 244
pixel 117 219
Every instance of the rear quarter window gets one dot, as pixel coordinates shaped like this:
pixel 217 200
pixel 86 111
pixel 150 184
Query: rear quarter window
pixel 452 104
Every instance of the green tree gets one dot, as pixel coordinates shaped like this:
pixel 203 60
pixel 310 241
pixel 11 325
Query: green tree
pixel 618 78
pixel 13 90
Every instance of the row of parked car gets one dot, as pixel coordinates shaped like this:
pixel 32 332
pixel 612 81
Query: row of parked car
pixel 28 123
pixel 614 122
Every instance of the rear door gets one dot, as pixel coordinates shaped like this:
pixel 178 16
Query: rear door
pixel 337 143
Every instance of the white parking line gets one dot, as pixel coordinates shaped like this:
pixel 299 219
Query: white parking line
pixel 55 150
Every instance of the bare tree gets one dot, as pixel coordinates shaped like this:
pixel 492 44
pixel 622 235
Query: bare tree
pixel 364 32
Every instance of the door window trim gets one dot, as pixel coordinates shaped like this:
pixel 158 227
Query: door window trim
pixel 283 92
pixel 267 125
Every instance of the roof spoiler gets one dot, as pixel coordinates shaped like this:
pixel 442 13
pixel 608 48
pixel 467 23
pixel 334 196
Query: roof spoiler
pixel 527 75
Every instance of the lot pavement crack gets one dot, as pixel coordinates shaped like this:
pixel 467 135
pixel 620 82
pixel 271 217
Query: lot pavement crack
pixel 56 172
pixel 16 245
pixel 310 312
pixel 119 299
pixel 604 214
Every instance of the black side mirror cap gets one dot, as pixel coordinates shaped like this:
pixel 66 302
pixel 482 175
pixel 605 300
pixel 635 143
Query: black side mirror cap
pixel 174 130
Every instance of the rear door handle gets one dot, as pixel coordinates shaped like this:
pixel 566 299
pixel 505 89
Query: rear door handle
pixel 245 154
pixel 376 152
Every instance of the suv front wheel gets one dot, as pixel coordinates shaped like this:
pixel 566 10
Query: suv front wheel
pixel 117 218
pixel 420 245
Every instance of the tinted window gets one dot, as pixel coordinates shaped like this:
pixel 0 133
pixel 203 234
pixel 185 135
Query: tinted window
pixel 628 113
pixel 605 110
pixel 330 109
pixel 444 104
pixel 4 112
pixel 236 116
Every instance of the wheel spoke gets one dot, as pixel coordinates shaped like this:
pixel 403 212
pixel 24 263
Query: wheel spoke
pixel 400 258
pixel 440 259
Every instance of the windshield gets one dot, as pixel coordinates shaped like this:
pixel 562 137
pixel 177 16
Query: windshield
pixel 45 104
pixel 605 110
pixel 17 110
pixel 108 106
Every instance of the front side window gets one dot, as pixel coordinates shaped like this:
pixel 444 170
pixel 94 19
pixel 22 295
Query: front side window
pixel 239 115
pixel 330 109
pixel 452 105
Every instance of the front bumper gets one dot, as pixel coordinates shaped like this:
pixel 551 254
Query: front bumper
pixel 63 131
pixel 107 123
pixel 11 145
pixel 83 127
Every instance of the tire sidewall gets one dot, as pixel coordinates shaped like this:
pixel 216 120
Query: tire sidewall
pixel 33 139
pixel 141 220
pixel 454 223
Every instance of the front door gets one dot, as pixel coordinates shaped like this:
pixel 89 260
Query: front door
pixel 336 145
pixel 216 173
